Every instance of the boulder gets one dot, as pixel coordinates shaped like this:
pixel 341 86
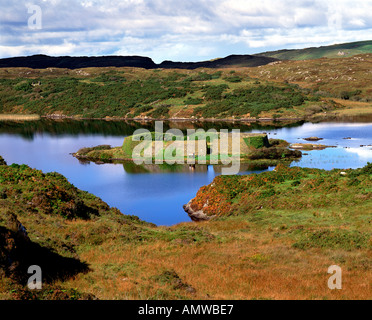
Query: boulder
pixel 196 215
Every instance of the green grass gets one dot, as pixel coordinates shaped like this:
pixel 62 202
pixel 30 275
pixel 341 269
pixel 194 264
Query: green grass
pixel 332 51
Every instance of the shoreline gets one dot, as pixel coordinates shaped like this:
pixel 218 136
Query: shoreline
pixel 19 117
pixel 365 117
pixel 148 119
pixel 268 162
pixel 322 118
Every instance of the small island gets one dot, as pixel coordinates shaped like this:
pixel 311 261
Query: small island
pixel 205 149
pixel 309 146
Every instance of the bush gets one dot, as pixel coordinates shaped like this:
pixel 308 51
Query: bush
pixel 193 101
pixel 257 142
pixel 201 76
pixel 346 95
pixel 344 239
pixel 215 92
pixel 2 161
pixel 141 109
pixel 251 101
pixel 24 86
pixel 216 75
pixel 233 79
pixel 160 111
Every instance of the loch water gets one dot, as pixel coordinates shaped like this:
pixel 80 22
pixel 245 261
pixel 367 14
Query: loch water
pixel 157 194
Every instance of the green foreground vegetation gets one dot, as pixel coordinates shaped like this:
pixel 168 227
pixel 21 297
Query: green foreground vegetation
pixel 274 237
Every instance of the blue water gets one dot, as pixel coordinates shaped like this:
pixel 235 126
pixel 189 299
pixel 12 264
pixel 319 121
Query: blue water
pixel 157 196
pixel 350 153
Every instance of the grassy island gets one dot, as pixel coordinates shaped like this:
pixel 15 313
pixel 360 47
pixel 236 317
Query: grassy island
pixel 205 150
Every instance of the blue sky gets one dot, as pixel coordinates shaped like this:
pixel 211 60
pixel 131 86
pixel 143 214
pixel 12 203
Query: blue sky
pixel 176 30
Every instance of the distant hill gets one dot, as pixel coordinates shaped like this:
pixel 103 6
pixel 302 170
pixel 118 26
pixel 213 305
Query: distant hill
pixel 333 51
pixel 230 61
pixel 44 61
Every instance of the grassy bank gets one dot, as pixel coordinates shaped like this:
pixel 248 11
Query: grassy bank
pixel 19 117
pixel 276 235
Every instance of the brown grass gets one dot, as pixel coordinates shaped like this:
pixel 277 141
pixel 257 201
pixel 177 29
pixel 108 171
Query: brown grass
pixel 243 264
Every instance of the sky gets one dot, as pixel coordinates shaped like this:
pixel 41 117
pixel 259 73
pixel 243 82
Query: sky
pixel 187 30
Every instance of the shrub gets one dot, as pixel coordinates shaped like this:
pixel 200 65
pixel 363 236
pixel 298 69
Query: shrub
pixel 24 86
pixel 193 101
pixel 333 239
pixel 233 79
pixel 257 142
pixel 141 109
pixel 160 111
pixel 215 92
pixel 346 95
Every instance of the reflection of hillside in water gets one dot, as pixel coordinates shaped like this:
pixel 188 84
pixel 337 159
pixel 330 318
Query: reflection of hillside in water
pixel 132 168
pixel 28 129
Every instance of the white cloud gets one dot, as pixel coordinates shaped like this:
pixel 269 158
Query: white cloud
pixel 364 153
pixel 181 30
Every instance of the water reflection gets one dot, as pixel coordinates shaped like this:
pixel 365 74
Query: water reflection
pixel 29 129
pixel 132 168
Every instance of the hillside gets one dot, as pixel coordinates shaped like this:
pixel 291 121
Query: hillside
pixel 286 90
pixel 232 61
pixel 333 51
pixel 263 244
pixel 46 221
pixel 44 61
pixel 346 81
pixel 158 94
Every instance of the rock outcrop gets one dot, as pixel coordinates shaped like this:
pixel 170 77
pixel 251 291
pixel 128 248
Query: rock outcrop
pixel 196 215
